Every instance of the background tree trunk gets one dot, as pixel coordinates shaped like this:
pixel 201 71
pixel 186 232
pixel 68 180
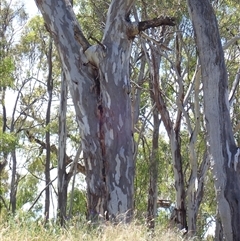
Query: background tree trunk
pixel 153 173
pixel 223 151
pixel 62 175
pixel 154 161
pixel 48 144
pixel 173 130
pixel 13 190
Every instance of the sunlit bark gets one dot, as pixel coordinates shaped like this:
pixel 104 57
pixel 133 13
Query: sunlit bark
pixel 99 84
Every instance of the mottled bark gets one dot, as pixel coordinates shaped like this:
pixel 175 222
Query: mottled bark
pixel 116 134
pixel 223 151
pixel 99 84
pixel 102 108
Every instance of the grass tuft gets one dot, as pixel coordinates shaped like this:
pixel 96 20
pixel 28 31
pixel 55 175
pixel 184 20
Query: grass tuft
pixel 20 230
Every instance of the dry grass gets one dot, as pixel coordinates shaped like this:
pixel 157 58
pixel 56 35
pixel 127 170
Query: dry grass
pixel 31 231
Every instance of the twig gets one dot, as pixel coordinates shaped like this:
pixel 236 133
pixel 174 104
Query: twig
pixel 41 194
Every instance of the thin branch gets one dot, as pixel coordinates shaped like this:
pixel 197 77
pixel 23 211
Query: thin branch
pixel 230 42
pixel 75 162
pixel 38 178
pixel 160 103
pixel 190 88
pixel 4 203
pixel 162 46
pixel 54 150
pixel 237 128
pixel 234 87
pixel 41 194
pixel 141 131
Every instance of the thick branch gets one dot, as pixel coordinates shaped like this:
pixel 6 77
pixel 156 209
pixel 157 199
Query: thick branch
pixel 80 37
pixel 3 201
pixel 156 22
pixel 136 28
pixel 65 8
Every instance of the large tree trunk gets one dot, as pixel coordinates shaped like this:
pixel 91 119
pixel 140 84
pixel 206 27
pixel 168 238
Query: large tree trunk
pixel 223 151
pixel 100 94
pixel 99 84
pixel 115 122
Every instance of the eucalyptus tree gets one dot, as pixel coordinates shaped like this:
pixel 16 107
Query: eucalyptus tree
pixel 38 55
pixel 10 15
pixel 99 84
pixel 224 153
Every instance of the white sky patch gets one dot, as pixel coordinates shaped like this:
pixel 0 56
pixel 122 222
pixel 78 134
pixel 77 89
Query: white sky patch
pixel 30 7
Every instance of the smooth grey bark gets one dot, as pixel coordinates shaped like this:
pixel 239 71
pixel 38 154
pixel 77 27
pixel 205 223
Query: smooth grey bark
pixel 99 84
pixel 198 172
pixel 62 175
pixel 223 151
pixel 219 229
